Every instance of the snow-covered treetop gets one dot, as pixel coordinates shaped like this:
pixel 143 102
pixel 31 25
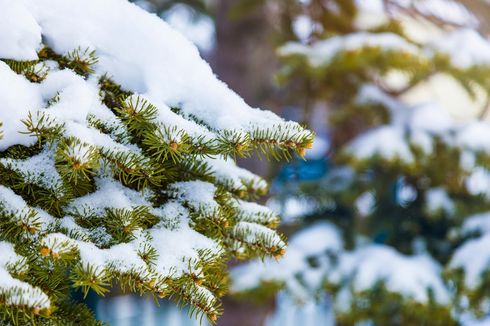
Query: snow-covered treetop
pixel 334 55
pixel 116 161
pixel 403 172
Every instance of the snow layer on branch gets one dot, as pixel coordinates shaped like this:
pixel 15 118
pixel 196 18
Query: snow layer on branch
pixel 478 182
pixel 19 293
pixel 180 247
pixel 465 48
pixel 313 242
pixel 477 223
pixel 14 205
pixel 18 96
pixel 10 202
pixel 151 59
pixel 141 62
pixel 38 170
pixel 438 200
pixel 387 142
pixel 109 194
pixel 412 276
pixel 446 10
pixel 20 34
pixel 198 195
pixel 474 136
pixel 370 14
pixel 317 239
pixel 431 118
pixel 179 250
pixel 474 258
pixel 417 125
pixel 409 125
pixel 252 210
pixel 372 94
pixel 228 173
pixel 322 52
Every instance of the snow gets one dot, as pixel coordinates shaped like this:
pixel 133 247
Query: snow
pixel 141 62
pixel 387 142
pixel 158 65
pixel 229 174
pixel 474 136
pixel 178 251
pixel 313 242
pixel 405 193
pixel 446 10
pixel 411 276
pixel 253 233
pixel 322 52
pixel 22 292
pixel 375 6
pixel 293 208
pixel 109 194
pixel 422 140
pixel 438 200
pixel 467 160
pixel 198 195
pixel 121 257
pixel 303 27
pixel 371 94
pixel 253 212
pixel 474 258
pixel 18 96
pixel 485 321
pixel 477 223
pixel 140 59
pixel 370 14
pixel 464 47
pixel 366 203
pixel 19 32
pixel 317 239
pixel 431 118
pixel 478 182
pixel 38 170
pixel 176 248
pixel 10 202
pixel 180 244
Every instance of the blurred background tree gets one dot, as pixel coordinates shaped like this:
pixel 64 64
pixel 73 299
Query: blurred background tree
pixel 403 167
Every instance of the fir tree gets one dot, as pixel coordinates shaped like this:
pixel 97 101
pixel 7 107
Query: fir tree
pixel 117 163
pixel 401 245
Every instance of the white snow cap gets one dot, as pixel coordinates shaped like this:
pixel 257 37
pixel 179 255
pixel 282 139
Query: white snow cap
pixel 412 276
pixel 313 242
pixel 322 52
pixel 20 34
pixel 474 258
pixel 465 48
pixel 136 49
pixel 387 142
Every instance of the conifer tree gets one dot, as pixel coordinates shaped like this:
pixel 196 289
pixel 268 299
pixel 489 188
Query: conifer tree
pixel 390 231
pixel 117 163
